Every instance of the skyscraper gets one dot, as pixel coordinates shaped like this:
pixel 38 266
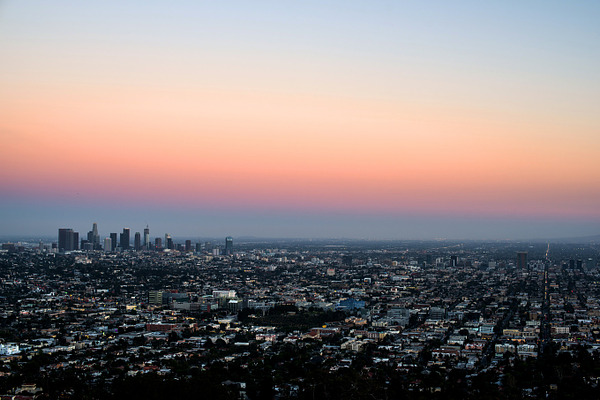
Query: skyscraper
pixel 124 242
pixel 168 242
pixel 113 241
pixel 228 245
pixel 67 239
pixel 107 244
pixel 137 241
pixel 147 237
pixel 453 261
pixel 93 237
pixel 521 259
pixel 63 238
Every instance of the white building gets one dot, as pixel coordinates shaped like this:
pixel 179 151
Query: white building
pixel 9 349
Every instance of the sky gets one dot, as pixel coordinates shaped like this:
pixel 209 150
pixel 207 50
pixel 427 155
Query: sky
pixel 312 119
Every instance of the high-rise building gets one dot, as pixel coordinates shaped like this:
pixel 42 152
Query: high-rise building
pixel 228 245
pixel 169 242
pixel 67 239
pixel 113 241
pixel 188 245
pixel 453 261
pixel 124 242
pixel 63 238
pixel 93 237
pixel 137 241
pixel 107 244
pixel 147 237
pixel 521 259
pixel 157 244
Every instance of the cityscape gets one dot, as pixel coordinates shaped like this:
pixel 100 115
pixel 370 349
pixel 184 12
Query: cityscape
pixel 68 240
pixel 299 200
pixel 298 319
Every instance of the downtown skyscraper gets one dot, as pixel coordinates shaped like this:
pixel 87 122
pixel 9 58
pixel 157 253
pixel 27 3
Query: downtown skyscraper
pixel 147 237
pixel 125 239
pixel 93 237
pixel 68 240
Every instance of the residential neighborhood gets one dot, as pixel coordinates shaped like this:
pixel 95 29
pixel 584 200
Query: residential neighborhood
pixel 302 320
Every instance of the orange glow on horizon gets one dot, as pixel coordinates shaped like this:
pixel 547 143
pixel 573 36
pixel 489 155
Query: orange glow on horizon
pixel 293 151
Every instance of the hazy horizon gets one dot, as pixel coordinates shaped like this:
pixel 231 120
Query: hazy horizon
pixel 290 226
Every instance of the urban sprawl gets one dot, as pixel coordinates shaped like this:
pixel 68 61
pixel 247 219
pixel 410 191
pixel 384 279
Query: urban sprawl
pixel 95 319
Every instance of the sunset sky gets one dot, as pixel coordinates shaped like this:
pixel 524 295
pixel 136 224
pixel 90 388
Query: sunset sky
pixel 378 119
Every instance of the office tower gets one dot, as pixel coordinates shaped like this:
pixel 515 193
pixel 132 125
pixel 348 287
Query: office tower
pixel 147 237
pixel 62 238
pixel 107 244
pixel 95 229
pixel 124 242
pixel 453 261
pixel 93 237
pixel 137 241
pixel 188 245
pixel 228 245
pixel 157 244
pixel 67 239
pixel 521 259
pixel 198 247
pixel 113 241
pixel 155 296
pixel 168 242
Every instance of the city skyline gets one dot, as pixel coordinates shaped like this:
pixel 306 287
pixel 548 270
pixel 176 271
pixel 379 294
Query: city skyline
pixel 98 238
pixel 69 240
pixel 380 121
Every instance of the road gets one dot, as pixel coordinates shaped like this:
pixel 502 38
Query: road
pixel 545 335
